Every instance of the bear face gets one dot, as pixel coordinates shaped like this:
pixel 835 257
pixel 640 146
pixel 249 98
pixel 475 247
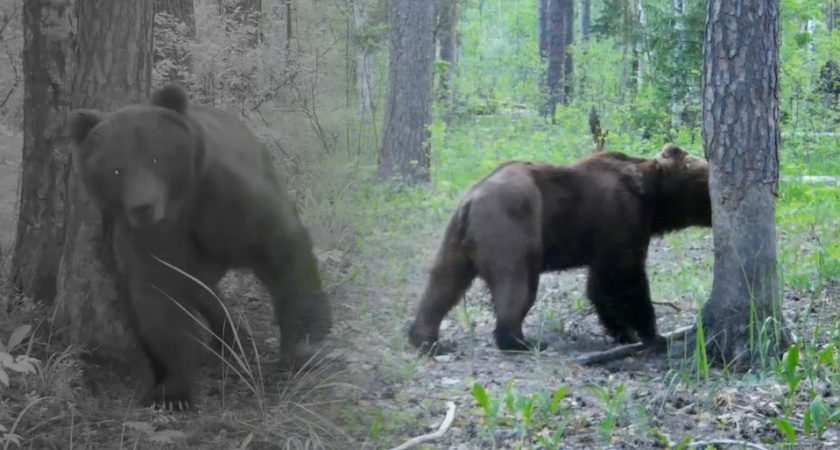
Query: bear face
pixel 141 161
pixel 682 191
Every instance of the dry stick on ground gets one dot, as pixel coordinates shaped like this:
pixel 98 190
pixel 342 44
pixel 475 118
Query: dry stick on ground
pixel 625 350
pixel 669 304
pixel 726 442
pixel 447 422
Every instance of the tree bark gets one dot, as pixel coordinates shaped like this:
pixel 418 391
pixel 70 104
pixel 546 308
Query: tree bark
pixel 113 59
pixel 408 104
pixel 741 140
pixel 47 68
pixel 447 12
pixel 560 68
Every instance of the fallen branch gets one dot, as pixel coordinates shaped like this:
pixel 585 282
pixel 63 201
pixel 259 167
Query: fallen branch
pixel 726 442
pixel 623 351
pixel 669 304
pixel 447 422
pixel 811 179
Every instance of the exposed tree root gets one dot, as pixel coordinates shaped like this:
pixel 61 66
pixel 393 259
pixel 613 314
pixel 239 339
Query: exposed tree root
pixel 624 351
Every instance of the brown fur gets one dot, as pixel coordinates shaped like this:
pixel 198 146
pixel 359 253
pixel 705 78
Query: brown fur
pixel 528 218
pixel 192 186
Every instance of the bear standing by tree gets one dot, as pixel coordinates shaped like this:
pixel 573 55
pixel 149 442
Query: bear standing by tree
pixel 190 186
pixel 526 218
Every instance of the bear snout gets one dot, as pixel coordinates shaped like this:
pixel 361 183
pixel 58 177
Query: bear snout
pixel 144 214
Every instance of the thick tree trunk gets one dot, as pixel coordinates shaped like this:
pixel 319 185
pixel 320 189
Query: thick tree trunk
pixel 113 67
pixel 408 104
pixel 47 68
pixel 447 12
pixel 184 12
pixel 741 139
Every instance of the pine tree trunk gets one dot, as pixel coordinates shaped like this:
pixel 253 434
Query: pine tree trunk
pixel 677 83
pixel 408 104
pixel 741 139
pixel 113 67
pixel 48 70
pixel 585 19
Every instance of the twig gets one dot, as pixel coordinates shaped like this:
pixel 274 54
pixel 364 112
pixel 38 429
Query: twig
pixel 624 350
pixel 447 422
pixel 670 304
pixel 727 442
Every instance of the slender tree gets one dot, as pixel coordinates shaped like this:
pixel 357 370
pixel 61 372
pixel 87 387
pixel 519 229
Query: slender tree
pixel 113 57
pixel 408 104
pixel 741 140
pixel 446 34
pixel 585 19
pixel 560 67
pixel 47 69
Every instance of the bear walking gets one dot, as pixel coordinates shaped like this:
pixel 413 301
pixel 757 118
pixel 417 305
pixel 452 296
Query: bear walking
pixel 526 218
pixel 191 186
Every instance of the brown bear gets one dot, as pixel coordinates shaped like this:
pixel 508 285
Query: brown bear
pixel 527 218
pixel 189 186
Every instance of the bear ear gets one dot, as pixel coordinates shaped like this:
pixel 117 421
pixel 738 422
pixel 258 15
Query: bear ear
pixel 673 152
pixel 81 121
pixel 172 97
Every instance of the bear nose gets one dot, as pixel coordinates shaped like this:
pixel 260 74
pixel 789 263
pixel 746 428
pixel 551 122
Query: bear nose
pixel 142 213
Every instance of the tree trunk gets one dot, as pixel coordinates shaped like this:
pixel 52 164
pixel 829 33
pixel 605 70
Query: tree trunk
pixel 831 13
pixel 247 14
pixel 640 45
pixel 175 52
pixel 560 64
pixel 585 19
pixel 677 86
pixel 447 11
pixel 47 68
pixel 113 59
pixel 364 61
pixel 741 140
pixel 542 27
pixel 408 104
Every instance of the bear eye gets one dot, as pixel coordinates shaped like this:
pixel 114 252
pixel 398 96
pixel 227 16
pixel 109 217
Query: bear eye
pixel 116 171
pixel 154 160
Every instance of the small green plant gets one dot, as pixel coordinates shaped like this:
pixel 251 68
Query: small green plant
pixel 20 364
pixel 612 404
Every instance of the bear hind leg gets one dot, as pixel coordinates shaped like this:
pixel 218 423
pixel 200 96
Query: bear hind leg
pixel 449 279
pixel 513 286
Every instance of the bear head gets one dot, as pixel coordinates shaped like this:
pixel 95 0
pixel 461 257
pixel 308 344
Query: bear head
pixel 142 160
pixel 682 191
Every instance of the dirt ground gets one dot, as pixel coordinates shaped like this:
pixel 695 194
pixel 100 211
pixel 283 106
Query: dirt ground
pixel 380 376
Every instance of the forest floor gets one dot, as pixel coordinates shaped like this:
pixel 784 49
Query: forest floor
pixel 372 391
